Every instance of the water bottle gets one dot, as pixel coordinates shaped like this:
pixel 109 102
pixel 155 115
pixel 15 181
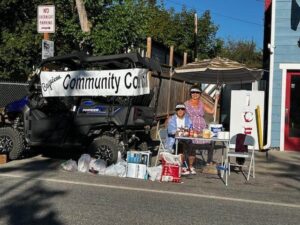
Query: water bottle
pixel 191 131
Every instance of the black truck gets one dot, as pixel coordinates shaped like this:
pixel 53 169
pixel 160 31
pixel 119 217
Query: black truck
pixel 102 124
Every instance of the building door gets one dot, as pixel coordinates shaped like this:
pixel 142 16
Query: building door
pixel 292 112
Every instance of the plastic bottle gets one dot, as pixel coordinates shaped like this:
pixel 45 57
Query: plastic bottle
pixel 191 131
pixel 186 132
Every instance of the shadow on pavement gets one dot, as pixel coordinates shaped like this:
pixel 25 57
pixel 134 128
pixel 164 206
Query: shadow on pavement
pixel 26 202
pixel 31 206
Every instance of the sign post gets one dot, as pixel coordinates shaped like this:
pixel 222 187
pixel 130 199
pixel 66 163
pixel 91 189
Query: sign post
pixel 46 25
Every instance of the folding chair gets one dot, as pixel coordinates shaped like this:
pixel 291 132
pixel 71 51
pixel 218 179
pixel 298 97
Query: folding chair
pixel 162 136
pixel 247 141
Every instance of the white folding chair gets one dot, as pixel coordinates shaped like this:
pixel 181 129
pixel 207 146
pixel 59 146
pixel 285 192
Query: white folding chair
pixel 250 142
pixel 162 136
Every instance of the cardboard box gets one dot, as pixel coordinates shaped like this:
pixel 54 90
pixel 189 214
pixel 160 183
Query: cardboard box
pixel 3 159
pixel 139 157
pixel 137 171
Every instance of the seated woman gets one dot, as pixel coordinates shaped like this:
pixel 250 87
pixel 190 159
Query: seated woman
pixel 176 122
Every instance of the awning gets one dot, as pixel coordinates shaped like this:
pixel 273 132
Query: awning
pixel 217 71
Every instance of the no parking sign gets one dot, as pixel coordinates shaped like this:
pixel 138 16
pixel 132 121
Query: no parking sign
pixel 46 19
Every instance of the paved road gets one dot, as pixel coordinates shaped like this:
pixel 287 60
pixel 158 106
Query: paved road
pixel 37 191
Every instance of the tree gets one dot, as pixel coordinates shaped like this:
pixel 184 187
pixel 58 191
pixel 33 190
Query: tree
pixel 18 38
pixel 119 28
pixel 208 45
pixel 242 51
pixel 99 27
pixel 84 22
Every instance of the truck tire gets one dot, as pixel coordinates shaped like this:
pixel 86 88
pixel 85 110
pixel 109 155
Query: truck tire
pixel 106 148
pixel 11 142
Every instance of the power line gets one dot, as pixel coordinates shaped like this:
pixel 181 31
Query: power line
pixel 215 13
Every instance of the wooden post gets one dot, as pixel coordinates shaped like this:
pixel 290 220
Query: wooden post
pixel 217 97
pixel 170 78
pixel 182 93
pixel 46 36
pixel 184 58
pixel 169 92
pixel 171 59
pixel 149 47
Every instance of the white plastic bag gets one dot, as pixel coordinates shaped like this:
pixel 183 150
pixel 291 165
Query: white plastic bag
pixel 171 159
pixel 119 157
pixel 118 169
pixel 69 165
pixel 111 170
pixel 84 163
pixel 121 168
pixel 154 172
pixel 97 165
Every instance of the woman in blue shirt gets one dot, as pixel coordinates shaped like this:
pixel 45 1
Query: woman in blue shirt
pixel 180 120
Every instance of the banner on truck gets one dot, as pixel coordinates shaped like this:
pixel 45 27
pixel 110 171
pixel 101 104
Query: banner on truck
pixel 125 82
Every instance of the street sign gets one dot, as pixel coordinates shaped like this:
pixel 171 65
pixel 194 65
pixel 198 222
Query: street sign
pixel 47 49
pixel 46 19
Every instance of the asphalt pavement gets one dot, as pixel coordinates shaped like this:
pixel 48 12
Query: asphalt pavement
pixel 37 191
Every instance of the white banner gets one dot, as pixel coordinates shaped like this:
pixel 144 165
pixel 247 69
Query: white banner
pixel 125 82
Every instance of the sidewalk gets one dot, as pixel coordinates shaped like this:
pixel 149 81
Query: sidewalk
pixel 278 162
pixel 274 169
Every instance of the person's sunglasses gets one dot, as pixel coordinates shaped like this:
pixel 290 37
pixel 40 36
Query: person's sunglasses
pixel 180 109
pixel 193 92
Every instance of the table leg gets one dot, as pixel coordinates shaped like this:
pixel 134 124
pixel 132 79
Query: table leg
pixel 222 162
pixel 226 162
pixel 176 146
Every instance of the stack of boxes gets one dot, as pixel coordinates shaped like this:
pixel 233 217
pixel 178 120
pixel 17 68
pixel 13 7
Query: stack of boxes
pixel 137 163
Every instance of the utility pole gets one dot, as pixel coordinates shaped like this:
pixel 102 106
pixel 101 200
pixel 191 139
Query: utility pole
pixel 195 36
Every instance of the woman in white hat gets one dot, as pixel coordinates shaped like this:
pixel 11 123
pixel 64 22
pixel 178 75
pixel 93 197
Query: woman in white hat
pixel 176 122
pixel 179 120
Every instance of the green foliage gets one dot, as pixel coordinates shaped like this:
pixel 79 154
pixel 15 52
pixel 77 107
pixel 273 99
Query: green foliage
pixel 119 27
pixel 208 44
pixel 244 52
pixel 116 27
pixel 18 39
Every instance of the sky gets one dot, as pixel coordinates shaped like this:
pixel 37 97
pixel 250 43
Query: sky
pixel 237 19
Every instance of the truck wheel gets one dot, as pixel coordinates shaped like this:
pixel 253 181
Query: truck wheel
pixel 106 148
pixel 11 142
